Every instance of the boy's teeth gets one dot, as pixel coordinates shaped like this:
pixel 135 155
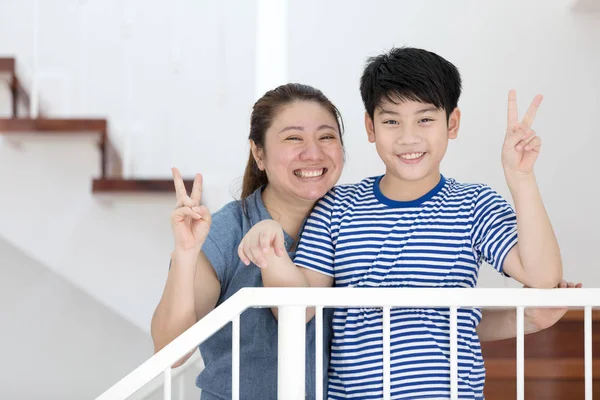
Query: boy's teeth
pixel 309 174
pixel 411 156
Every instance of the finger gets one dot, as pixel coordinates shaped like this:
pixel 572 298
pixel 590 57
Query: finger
pixel 562 284
pixel 279 244
pixel 180 191
pixel 202 210
pixel 579 285
pixel 256 257
pixel 513 113
pixel 264 242
pixel 258 251
pixel 534 145
pixel 570 285
pixel 529 116
pixel 515 135
pixel 247 252
pixel 182 212
pixel 528 136
pixel 242 254
pixel 196 195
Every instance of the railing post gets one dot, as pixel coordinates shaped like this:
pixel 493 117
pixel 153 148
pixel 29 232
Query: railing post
pixel 454 353
pixel 319 353
pixel 291 362
pixel 587 324
pixel 167 386
pixel 387 359
pixel 520 353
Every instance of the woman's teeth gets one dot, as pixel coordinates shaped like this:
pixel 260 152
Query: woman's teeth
pixel 301 173
pixel 411 156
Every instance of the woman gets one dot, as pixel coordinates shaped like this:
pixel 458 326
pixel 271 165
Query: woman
pixel 296 156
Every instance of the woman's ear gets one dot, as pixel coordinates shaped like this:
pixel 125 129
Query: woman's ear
pixel 454 124
pixel 258 155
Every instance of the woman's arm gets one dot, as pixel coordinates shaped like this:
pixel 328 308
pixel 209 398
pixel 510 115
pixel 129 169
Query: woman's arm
pixel 191 292
pixel 192 289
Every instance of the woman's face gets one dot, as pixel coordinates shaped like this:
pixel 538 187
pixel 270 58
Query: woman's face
pixel 303 154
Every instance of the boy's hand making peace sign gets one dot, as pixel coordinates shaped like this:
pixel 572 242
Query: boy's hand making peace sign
pixel 521 144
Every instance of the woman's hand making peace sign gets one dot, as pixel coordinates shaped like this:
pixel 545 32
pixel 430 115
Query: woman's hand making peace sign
pixel 190 221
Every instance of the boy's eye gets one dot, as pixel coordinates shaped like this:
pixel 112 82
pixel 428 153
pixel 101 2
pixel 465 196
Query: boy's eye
pixel 390 122
pixel 425 120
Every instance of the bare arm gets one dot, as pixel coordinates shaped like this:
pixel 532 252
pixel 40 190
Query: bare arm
pixel 263 246
pixel 536 260
pixel 192 288
pixel 191 291
pixel 498 324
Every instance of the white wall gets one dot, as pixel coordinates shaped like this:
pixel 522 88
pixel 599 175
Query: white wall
pixel 58 342
pixel 530 45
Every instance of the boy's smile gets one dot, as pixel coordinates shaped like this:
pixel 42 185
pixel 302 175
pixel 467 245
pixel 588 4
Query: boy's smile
pixel 412 158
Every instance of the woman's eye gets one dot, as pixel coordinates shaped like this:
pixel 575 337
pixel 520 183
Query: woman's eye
pixel 293 138
pixel 328 137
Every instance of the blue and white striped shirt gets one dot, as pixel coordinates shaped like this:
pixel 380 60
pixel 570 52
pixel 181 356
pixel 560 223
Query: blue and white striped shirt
pixel 363 239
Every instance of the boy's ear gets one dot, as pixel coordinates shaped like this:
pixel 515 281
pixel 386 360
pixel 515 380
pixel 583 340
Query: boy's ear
pixel 258 155
pixel 454 123
pixel 370 128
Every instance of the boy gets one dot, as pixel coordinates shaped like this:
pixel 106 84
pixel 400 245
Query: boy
pixel 412 227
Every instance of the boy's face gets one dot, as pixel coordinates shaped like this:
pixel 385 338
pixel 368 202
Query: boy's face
pixel 411 138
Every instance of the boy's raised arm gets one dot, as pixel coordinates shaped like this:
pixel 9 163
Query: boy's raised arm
pixel 535 261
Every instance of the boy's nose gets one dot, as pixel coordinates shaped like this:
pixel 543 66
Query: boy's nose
pixel 408 136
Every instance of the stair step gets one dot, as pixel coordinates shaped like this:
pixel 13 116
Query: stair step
pixel 48 125
pixel 7 65
pixel 115 185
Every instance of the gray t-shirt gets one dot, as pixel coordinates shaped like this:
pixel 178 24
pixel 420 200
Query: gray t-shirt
pixel 258 326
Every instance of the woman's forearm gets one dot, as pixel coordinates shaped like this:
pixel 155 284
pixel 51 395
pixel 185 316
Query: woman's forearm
pixel 176 311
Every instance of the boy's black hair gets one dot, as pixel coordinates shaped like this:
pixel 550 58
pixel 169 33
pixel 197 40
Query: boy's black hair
pixel 410 74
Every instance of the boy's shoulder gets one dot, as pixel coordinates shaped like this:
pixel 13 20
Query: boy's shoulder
pixel 466 189
pixel 355 189
pixel 342 194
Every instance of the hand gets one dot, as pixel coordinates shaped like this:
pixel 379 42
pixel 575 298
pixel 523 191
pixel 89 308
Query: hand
pixel 521 145
pixel 190 221
pixel 544 317
pixel 264 237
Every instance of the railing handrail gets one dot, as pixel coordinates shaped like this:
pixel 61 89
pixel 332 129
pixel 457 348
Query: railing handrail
pixel 342 297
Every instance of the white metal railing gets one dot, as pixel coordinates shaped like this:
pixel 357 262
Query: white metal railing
pixel 292 303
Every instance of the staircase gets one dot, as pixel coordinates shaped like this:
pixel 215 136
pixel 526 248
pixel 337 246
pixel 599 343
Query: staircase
pixel 110 179
pixel 67 205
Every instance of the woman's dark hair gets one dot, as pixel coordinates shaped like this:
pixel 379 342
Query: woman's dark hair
pixel 264 112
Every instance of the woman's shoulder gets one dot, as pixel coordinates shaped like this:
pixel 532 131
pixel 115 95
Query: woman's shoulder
pixel 228 218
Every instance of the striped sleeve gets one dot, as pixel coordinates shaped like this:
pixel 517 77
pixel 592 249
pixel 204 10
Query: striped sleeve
pixel 315 249
pixel 494 230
